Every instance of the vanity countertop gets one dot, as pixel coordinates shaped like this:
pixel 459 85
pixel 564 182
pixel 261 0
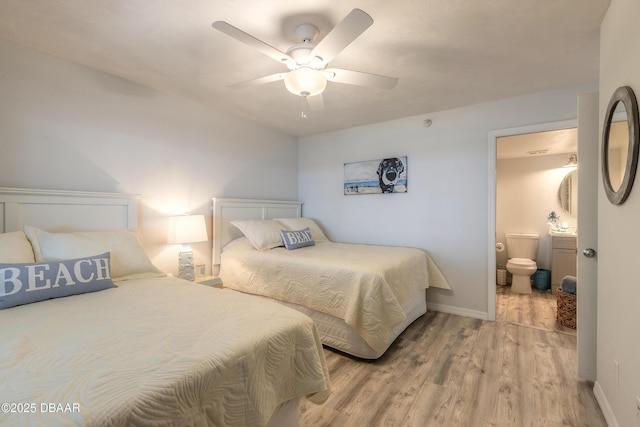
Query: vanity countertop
pixel 562 233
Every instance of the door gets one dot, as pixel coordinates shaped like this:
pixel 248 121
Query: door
pixel 588 138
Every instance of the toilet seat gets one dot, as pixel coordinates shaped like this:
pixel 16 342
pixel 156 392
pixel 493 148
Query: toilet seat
pixel 522 262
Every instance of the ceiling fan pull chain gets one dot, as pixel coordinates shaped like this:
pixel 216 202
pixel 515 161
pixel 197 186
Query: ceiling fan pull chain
pixel 303 113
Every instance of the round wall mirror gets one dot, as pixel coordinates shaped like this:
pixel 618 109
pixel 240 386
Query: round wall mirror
pixel 620 142
pixel 568 193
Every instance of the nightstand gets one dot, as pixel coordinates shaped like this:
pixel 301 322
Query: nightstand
pixel 213 281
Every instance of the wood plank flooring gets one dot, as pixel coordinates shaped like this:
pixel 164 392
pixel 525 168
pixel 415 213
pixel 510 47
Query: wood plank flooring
pixel 448 370
pixel 537 309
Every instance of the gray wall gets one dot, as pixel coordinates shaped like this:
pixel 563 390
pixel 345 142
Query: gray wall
pixel 65 126
pixel 445 210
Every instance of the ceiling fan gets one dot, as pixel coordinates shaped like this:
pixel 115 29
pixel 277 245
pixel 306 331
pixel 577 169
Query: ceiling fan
pixel 308 73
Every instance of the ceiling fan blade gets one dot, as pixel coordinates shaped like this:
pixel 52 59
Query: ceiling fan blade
pixel 316 102
pixel 249 40
pixel 359 78
pixel 259 81
pixel 347 30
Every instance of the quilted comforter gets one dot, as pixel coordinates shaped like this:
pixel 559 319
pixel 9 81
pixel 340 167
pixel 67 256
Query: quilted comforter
pixel 161 352
pixel 365 285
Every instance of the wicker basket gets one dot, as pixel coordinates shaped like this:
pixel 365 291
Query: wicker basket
pixel 502 277
pixel 566 314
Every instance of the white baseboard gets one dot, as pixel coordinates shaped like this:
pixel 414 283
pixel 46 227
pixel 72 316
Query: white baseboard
pixel 482 315
pixel 604 405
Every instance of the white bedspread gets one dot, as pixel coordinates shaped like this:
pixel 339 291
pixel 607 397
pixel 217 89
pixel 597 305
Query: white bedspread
pixel 364 285
pixel 159 352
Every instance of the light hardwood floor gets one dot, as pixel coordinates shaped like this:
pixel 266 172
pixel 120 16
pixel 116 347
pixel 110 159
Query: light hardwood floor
pixel 448 370
pixel 537 309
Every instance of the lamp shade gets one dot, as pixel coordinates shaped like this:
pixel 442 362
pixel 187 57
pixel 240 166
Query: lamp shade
pixel 187 229
pixel 305 82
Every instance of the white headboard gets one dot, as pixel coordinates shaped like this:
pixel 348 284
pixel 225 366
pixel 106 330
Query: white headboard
pixel 54 210
pixel 226 210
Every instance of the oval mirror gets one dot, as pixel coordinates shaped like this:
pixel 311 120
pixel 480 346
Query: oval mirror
pixel 620 141
pixel 568 193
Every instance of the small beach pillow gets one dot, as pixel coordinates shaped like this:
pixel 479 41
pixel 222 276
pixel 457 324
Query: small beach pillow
pixel 301 223
pixel 297 239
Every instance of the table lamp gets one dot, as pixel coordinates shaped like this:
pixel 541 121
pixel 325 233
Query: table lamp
pixel 184 230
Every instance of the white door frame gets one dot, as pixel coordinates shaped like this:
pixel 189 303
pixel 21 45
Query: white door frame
pixel 491 250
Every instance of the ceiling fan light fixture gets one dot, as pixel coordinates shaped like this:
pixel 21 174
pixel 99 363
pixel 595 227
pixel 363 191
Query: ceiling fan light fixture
pixel 305 82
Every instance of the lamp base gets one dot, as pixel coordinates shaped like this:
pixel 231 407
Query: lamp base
pixel 185 266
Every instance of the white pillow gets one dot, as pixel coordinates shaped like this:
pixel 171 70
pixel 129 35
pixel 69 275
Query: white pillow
pixel 128 259
pixel 294 224
pixel 15 248
pixel 262 233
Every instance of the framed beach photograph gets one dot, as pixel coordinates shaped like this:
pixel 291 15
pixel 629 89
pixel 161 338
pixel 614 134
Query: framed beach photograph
pixel 376 176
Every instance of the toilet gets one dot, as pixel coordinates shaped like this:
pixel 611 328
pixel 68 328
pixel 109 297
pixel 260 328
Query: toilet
pixel 522 250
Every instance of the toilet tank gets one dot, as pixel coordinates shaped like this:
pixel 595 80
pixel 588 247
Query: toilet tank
pixel 522 245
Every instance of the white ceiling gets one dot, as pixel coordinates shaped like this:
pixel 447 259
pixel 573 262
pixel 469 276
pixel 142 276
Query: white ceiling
pixel 446 53
pixel 545 143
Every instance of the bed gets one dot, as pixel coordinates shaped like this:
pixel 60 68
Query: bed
pixel 134 347
pixel 361 297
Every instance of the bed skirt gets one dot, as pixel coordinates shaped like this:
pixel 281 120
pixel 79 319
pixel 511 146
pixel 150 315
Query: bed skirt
pixel 335 333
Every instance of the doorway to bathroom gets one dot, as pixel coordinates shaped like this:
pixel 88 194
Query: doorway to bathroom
pixel 535 191
pixel 587 124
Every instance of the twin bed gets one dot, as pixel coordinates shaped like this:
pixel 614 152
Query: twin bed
pixel 361 297
pixel 134 347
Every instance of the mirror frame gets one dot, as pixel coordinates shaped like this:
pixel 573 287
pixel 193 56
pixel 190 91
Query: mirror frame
pixel 575 176
pixel 625 95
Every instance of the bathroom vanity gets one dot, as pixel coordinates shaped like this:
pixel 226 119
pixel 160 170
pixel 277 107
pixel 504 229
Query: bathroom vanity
pixel 564 253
